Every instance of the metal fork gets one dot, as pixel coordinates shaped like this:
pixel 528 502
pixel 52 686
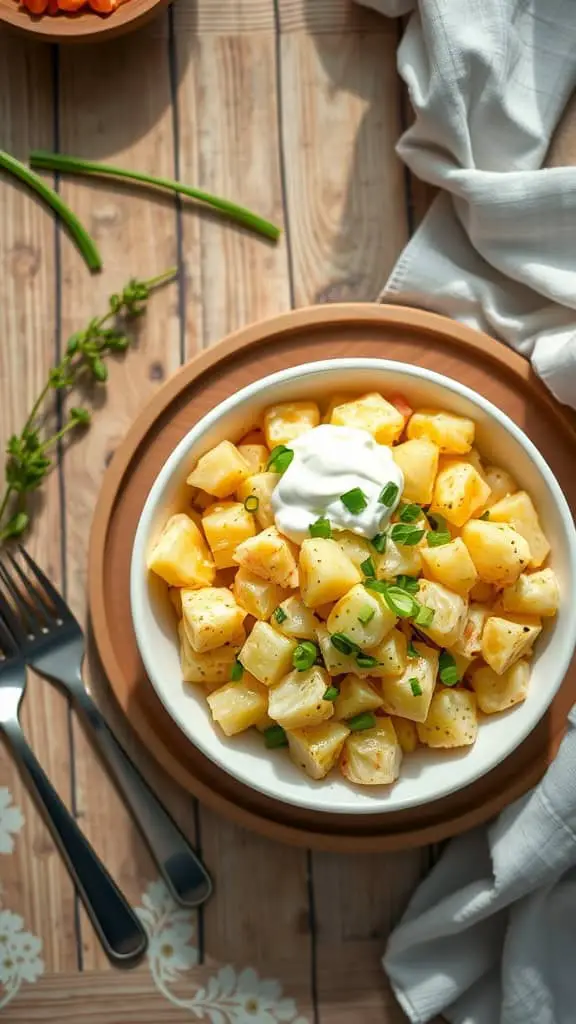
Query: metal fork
pixel 120 932
pixel 51 641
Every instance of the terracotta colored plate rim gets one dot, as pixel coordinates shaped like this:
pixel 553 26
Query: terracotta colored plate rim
pixel 84 27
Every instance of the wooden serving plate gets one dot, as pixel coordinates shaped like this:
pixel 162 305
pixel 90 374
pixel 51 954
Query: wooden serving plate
pixel 320 332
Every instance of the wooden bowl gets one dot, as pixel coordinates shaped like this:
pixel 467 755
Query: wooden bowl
pixel 85 26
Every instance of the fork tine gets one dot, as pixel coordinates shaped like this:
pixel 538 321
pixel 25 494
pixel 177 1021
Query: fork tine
pixel 35 602
pixel 7 642
pixel 56 599
pixel 12 620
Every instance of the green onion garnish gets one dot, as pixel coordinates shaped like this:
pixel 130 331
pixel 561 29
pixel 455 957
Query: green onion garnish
pixel 379 543
pixel 411 650
pixel 388 495
pixel 355 500
pixel 409 583
pixel 360 722
pixel 280 615
pixel 415 687
pixel 332 693
pixel 366 615
pixel 237 672
pixel 343 644
pixel 449 674
pixel 321 528
pixel 251 503
pixel 280 459
pixel 366 661
pixel 405 534
pixel 485 515
pixel 379 586
pixel 436 538
pixel 410 513
pixel 401 602
pixel 424 616
pixel 275 737
pixel 304 655
pixel 367 567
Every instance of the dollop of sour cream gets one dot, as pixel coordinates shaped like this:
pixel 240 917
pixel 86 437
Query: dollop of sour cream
pixel 328 462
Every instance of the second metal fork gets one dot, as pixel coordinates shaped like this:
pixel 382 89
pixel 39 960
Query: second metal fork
pixel 51 641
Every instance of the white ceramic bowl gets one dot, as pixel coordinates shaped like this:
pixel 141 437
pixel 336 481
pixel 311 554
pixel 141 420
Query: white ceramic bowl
pixel 426 775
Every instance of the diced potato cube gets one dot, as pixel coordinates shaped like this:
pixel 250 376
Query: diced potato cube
pixel 458 492
pixel 473 457
pixel 498 551
pixel 452 720
pixel 257 596
pixel 356 695
pixel 211 617
pixel 238 706
pixel 401 404
pixel 461 662
pixel 469 643
pixel 297 701
pixel 372 413
pixel 449 613
pixel 339 398
pixel 180 555
pixel 265 723
pixel 500 483
pixel 495 692
pixel 211 668
pixel 317 750
pixel 220 471
pixel 267 654
pixel 518 511
pixel 326 573
pixel 453 434
pixel 451 565
pixel 372 757
pixel 271 556
pixel 398 560
pixel 226 525
pixel 256 455
pixel 337 664
pixel 254 436
pixel 297 620
pixel 407 734
pixel 323 610
pixel 410 694
pixel 261 486
pixel 535 593
pixel 356 548
pixel 418 460
pixel 288 420
pixel 202 500
pixel 363 616
pixel 391 656
pixel 505 641
pixel 483 593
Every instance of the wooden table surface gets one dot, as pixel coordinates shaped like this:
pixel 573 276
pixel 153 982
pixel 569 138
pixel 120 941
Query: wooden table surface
pixel 292 107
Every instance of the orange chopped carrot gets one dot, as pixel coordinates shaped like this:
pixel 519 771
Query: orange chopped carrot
pixel 103 6
pixel 400 403
pixel 53 7
pixel 36 6
pixel 70 5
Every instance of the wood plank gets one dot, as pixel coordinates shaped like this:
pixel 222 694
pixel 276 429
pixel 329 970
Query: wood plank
pixel 34 881
pixel 314 16
pixel 345 186
pixel 125 118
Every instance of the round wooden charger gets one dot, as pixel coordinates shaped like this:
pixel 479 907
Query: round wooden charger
pixel 320 332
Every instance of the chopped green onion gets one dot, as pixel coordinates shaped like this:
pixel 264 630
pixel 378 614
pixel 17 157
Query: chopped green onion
pixel 380 586
pixel 410 513
pixel 411 650
pixel 485 515
pixel 321 528
pixel 355 500
pixel 415 687
pixel 405 534
pixel 400 602
pixel 280 459
pixel 436 538
pixel 388 495
pixel 251 503
pixel 275 737
pixel 332 693
pixel 367 567
pixel 366 615
pixel 366 661
pixel 409 583
pixel 304 655
pixel 437 522
pixel 280 615
pixel 360 722
pixel 237 671
pixel 449 674
pixel 343 644
pixel 424 616
pixel 379 543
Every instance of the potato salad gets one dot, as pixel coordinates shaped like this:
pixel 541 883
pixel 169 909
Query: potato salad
pixel 354 580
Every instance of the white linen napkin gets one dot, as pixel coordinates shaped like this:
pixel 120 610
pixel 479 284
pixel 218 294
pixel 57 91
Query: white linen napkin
pixel 489 80
pixel 490 935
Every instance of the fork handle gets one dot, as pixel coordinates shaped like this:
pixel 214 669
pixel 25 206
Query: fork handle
pixel 181 868
pixel 122 936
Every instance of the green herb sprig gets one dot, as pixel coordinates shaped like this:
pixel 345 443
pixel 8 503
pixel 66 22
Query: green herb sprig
pixel 30 454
